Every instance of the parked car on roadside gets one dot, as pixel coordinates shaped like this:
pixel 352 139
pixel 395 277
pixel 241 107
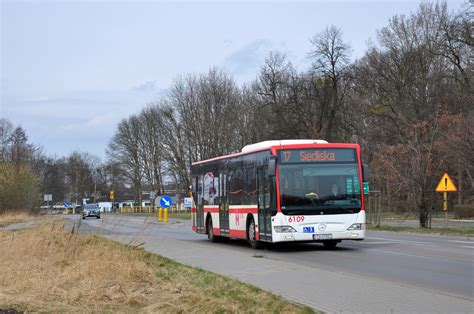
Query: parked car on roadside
pixel 91 210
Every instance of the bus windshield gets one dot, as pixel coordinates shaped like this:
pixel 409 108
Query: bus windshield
pixel 319 189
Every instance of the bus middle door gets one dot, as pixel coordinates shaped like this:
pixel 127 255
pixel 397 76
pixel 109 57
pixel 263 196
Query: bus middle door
pixel 264 211
pixel 223 204
pixel 198 199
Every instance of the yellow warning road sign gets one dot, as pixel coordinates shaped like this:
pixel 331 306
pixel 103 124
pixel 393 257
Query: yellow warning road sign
pixel 446 184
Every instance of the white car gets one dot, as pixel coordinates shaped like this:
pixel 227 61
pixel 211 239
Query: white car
pixel 91 210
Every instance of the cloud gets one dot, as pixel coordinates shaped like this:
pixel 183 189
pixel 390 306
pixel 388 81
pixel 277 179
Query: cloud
pixel 91 125
pixel 245 62
pixel 81 120
pixel 149 86
pixel 249 57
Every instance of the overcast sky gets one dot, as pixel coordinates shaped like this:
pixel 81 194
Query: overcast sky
pixel 71 70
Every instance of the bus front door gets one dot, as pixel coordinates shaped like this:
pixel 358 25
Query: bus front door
pixel 223 204
pixel 264 197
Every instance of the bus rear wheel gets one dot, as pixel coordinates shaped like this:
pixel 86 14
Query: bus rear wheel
pixel 251 234
pixel 210 231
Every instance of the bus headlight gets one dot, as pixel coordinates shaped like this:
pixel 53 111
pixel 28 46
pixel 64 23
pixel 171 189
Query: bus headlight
pixel 357 226
pixel 281 229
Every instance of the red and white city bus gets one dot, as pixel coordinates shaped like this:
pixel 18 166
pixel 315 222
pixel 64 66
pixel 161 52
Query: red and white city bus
pixel 281 191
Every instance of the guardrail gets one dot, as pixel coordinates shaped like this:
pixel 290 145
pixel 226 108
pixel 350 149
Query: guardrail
pixel 161 213
pixel 151 209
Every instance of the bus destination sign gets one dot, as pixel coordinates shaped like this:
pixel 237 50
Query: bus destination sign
pixel 317 155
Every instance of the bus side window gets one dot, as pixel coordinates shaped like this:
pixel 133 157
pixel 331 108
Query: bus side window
pixel 235 187
pixel 193 186
pixel 200 190
pixel 250 186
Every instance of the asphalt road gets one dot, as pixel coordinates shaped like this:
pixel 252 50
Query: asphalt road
pixel 435 223
pixel 387 272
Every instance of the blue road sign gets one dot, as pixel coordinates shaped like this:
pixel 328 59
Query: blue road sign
pixel 66 204
pixel 166 201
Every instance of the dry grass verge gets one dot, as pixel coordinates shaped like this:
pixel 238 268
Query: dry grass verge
pixel 11 217
pixel 183 216
pixel 45 268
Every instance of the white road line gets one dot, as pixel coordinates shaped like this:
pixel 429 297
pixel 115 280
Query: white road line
pixel 394 253
pixel 404 241
pixel 406 254
pixel 468 242
pixel 133 220
pixel 366 248
pixel 377 242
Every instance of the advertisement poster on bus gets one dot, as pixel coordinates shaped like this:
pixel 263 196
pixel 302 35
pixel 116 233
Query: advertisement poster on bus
pixel 211 186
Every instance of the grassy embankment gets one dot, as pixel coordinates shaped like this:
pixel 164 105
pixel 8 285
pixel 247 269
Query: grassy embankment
pixel 465 231
pixel 183 216
pixel 48 268
pixel 12 217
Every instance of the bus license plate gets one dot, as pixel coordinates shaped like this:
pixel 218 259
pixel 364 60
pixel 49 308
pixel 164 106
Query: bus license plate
pixel 322 236
pixel 308 229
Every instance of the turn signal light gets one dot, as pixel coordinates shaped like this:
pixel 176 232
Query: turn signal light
pixel 282 229
pixel 357 226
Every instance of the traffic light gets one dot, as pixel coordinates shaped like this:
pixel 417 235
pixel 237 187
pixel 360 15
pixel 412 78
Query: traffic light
pixel 111 195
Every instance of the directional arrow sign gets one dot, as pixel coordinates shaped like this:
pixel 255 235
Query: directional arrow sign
pixel 446 184
pixel 166 201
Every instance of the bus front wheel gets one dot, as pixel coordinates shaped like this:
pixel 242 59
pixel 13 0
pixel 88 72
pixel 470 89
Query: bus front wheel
pixel 251 232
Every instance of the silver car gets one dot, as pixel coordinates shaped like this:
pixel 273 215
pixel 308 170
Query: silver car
pixel 91 210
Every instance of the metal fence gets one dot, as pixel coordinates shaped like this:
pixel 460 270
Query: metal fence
pixel 378 212
pixel 151 209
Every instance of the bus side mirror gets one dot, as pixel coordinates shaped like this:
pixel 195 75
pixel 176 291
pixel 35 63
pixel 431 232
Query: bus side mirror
pixel 365 172
pixel 272 166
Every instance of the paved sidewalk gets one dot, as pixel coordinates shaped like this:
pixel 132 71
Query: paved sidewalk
pixel 320 289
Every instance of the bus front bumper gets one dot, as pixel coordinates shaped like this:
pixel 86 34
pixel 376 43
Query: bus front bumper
pixel 318 237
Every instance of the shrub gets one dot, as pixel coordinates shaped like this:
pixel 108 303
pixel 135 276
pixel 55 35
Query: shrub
pixel 464 211
pixel 18 187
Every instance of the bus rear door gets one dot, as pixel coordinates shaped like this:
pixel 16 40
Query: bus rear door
pixel 223 204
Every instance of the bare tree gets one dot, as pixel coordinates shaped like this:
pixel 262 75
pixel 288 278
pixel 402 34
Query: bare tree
pixel 78 169
pixel 331 55
pixel 274 99
pixel 6 130
pixel 411 85
pixel 152 151
pixel 207 106
pixel 175 147
pixel 125 150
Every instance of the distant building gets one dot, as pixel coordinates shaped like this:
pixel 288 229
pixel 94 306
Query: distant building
pixel 105 206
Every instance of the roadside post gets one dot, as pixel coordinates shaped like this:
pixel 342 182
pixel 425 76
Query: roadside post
pixel 165 203
pixel 160 214
pixel 66 208
pixel 112 197
pixel 446 185
pixel 48 198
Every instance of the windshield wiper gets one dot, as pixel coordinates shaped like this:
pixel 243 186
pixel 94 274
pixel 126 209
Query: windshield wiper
pixel 309 210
